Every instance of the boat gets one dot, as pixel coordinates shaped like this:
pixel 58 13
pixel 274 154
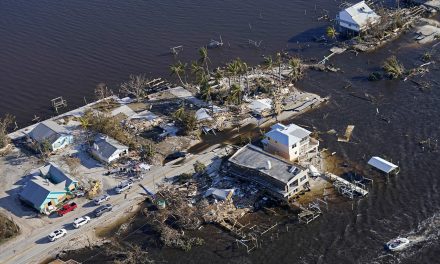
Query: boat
pixel 397 244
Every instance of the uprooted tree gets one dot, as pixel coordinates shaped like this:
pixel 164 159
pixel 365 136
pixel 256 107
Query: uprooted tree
pixel 393 68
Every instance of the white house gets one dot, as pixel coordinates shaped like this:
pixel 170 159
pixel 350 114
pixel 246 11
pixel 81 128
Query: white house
pixel 107 149
pixel 291 142
pixel 357 17
pixel 50 132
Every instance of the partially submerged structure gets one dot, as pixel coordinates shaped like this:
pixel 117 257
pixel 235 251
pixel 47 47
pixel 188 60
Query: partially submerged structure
pixel 261 107
pixel 107 149
pixel 280 178
pixel 383 165
pixel 48 187
pixel 50 133
pixel 291 142
pixel 357 18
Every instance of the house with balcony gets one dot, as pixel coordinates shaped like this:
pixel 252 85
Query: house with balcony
pixel 48 187
pixel 291 142
pixel 278 177
pixel 357 18
pixel 49 132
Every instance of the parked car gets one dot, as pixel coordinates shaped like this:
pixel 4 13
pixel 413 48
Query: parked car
pixel 67 208
pixel 176 155
pixel 79 193
pixel 103 209
pixel 103 198
pixel 78 222
pixel 123 186
pixel 57 234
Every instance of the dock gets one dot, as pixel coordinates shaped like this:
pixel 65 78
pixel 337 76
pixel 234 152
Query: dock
pixel 345 187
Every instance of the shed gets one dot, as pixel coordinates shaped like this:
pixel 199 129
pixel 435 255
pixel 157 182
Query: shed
pixel 260 106
pixel 382 164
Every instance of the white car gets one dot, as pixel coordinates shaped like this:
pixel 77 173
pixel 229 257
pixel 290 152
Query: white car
pixel 103 198
pixel 57 234
pixel 78 222
pixel 125 185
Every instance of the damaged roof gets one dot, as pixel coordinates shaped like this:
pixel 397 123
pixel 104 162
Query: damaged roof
pixel 47 131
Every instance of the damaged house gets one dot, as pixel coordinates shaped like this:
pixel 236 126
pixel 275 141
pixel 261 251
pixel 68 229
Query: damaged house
pixel 275 175
pixel 48 187
pixel 357 18
pixel 291 142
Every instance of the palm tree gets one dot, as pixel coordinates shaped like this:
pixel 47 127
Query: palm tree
pixel 279 62
pixel 235 94
pixel 179 114
pixel 296 72
pixel 198 71
pixel 331 32
pixel 203 53
pixel 84 122
pixel 178 69
pixel 232 68
pixel 268 62
pixel 206 91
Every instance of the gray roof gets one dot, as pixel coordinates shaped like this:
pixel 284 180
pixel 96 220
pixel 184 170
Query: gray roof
pixel 106 146
pixel 255 158
pixel 47 130
pixel 382 164
pixel 56 175
pixel 287 135
pixel 45 180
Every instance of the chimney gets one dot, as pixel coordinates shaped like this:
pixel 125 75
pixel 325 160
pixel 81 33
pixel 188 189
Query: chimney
pixel 269 165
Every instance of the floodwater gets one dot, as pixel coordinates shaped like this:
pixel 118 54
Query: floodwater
pixel 63 48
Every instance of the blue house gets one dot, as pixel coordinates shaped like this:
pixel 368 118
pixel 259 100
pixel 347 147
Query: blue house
pixel 48 187
pixel 50 132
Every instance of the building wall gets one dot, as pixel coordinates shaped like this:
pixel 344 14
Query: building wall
pixel 55 197
pixel 62 142
pixel 288 152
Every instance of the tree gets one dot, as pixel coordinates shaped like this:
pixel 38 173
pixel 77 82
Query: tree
pixel 203 53
pixel 393 68
pixel 178 69
pixel 279 62
pixel 5 124
pixel 179 114
pixel 206 91
pixel 136 86
pixel 331 32
pixel 235 94
pixel 102 91
pixel 232 69
pixel 296 72
pixel 268 63
pixel 84 122
pixel 199 167
pixel 277 107
pixel 198 71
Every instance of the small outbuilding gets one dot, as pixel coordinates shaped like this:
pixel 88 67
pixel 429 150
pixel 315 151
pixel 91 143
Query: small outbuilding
pixel 357 17
pixel 107 149
pixel 382 165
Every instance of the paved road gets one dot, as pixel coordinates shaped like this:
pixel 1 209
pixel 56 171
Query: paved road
pixel 35 247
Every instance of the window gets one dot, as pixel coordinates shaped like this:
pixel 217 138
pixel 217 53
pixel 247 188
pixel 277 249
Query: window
pixel 303 179
pixel 268 138
pixel 294 184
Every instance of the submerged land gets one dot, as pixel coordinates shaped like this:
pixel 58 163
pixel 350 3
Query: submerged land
pixel 188 134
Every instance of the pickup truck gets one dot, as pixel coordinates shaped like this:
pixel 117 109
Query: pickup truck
pixel 125 185
pixel 67 208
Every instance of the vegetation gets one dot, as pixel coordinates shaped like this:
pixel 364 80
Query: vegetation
pixel 5 124
pixel 178 69
pixel 331 32
pixel 186 119
pixel 393 68
pixel 102 91
pixel 136 86
pixel 184 177
pixel 199 167
pixel 426 56
pixel 235 94
pixel 8 228
pixel 296 73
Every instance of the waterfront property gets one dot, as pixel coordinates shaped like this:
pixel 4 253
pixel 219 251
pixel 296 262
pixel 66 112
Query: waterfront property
pixel 280 178
pixel 357 18
pixel 48 187
pixel 49 132
pixel 291 142
pixel 107 150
